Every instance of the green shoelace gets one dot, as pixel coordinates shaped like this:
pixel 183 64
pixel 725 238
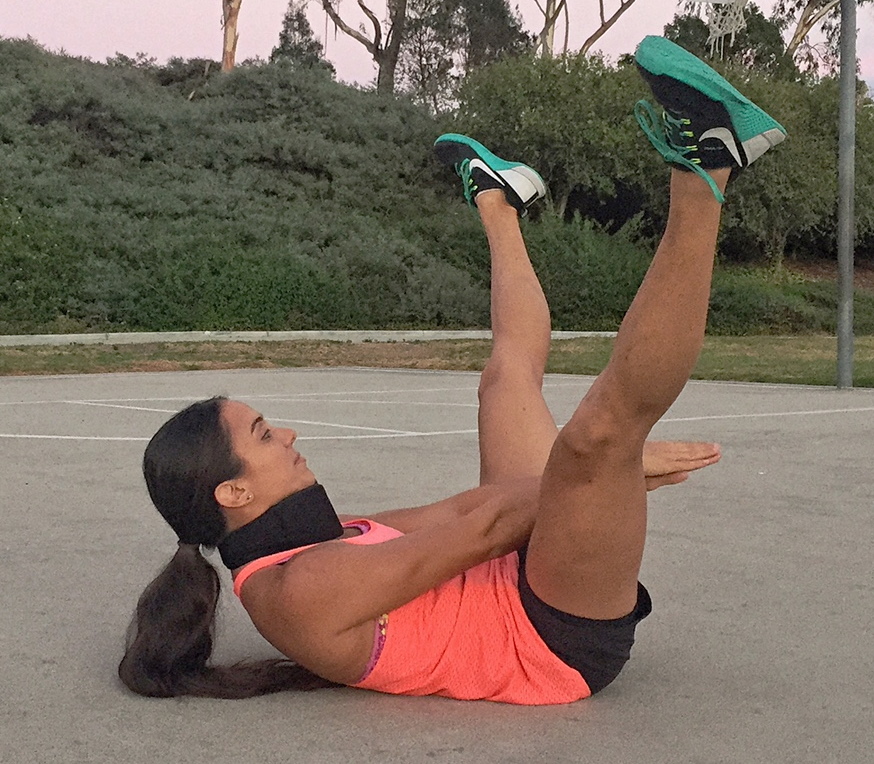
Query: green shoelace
pixel 654 127
pixel 469 187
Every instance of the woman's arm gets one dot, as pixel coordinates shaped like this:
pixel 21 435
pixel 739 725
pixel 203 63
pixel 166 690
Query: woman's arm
pixel 411 519
pixel 442 540
pixel 664 463
pixel 314 607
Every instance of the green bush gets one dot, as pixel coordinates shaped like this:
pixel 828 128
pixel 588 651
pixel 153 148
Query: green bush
pixel 760 301
pixel 589 277
pixel 40 273
pixel 276 198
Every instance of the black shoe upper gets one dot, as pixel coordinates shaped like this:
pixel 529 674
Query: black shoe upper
pixel 690 114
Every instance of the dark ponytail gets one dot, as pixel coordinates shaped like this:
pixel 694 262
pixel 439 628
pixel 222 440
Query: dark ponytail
pixel 170 639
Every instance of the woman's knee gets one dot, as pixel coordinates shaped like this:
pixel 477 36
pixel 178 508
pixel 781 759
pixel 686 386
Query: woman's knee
pixel 502 369
pixel 596 437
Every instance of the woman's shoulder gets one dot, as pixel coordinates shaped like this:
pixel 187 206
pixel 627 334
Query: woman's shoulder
pixel 292 576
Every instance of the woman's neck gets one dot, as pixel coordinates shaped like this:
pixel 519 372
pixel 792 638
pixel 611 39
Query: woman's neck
pixel 304 518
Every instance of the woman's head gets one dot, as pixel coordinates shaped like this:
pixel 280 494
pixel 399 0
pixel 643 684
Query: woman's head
pixel 183 464
pixel 217 465
pixel 272 469
pixel 207 469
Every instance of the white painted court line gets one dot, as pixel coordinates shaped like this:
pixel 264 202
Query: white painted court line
pixel 379 402
pixel 398 435
pixel 345 426
pixel 377 432
pixel 119 406
pixel 300 396
pixel 18 436
pixel 290 397
pixel 753 415
pixel 380 435
pixel 765 415
pixel 94 400
pixel 272 419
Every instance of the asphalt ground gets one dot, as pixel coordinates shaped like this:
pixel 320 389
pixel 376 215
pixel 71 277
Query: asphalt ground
pixel 760 647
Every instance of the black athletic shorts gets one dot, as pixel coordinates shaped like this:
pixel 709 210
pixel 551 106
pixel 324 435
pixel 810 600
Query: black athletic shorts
pixel 597 649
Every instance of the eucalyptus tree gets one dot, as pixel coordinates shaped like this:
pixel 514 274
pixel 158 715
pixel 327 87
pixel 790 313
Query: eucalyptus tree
pixel 383 41
pixel 552 10
pixel 230 36
pixel 802 17
pixel 797 21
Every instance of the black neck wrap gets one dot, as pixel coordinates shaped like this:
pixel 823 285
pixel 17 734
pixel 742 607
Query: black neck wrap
pixel 305 517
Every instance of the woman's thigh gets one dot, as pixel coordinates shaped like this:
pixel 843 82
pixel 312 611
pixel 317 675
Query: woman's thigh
pixel 587 543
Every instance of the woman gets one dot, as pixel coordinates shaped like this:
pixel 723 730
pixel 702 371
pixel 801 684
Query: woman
pixel 523 590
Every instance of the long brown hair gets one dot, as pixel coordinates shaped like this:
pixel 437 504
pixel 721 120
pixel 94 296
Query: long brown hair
pixel 170 639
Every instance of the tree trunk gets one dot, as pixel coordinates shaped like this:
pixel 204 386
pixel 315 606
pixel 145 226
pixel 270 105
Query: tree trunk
pixel 560 201
pixel 776 253
pixel 551 12
pixel 388 59
pixel 230 11
pixel 385 75
pixel 547 36
pixel 384 55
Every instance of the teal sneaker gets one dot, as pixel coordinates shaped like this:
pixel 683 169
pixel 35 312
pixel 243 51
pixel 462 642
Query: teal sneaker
pixel 706 123
pixel 480 170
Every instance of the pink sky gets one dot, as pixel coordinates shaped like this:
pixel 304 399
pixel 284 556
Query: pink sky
pixel 191 28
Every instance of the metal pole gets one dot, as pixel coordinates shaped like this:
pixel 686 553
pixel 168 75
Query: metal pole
pixel 846 191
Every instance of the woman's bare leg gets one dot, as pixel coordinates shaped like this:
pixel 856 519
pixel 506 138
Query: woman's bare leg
pixel 586 547
pixel 516 429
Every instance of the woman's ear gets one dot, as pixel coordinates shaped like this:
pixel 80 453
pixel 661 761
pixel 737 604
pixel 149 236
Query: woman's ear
pixel 232 494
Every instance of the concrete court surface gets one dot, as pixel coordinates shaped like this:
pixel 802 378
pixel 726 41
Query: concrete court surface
pixel 760 648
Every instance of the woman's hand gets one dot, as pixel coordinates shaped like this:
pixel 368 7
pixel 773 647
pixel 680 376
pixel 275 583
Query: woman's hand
pixel 667 462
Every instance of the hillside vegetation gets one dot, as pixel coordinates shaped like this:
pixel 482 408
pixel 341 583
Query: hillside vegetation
pixel 273 197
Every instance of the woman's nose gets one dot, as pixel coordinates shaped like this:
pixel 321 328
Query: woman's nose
pixel 291 435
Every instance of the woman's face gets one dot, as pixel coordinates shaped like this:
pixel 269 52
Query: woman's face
pixel 272 468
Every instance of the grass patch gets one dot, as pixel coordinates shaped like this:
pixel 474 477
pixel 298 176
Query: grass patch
pixel 809 360
pixel 786 360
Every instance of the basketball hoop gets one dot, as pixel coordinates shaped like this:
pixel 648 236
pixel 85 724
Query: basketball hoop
pixel 724 18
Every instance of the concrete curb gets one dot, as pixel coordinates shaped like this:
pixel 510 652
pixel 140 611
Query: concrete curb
pixel 139 338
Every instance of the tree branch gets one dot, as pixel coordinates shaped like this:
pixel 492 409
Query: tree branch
pixel 810 17
pixel 623 6
pixel 556 13
pixel 394 39
pixel 377 29
pixel 368 44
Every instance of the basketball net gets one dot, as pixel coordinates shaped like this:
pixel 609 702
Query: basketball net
pixel 724 18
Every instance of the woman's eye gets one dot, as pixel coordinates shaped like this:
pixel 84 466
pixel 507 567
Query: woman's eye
pixel 267 435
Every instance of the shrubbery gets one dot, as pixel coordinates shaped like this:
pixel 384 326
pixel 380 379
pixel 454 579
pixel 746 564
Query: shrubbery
pixel 137 197
pixel 276 199
pixel 573 118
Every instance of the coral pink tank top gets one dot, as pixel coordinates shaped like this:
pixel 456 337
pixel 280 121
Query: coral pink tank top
pixel 468 638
